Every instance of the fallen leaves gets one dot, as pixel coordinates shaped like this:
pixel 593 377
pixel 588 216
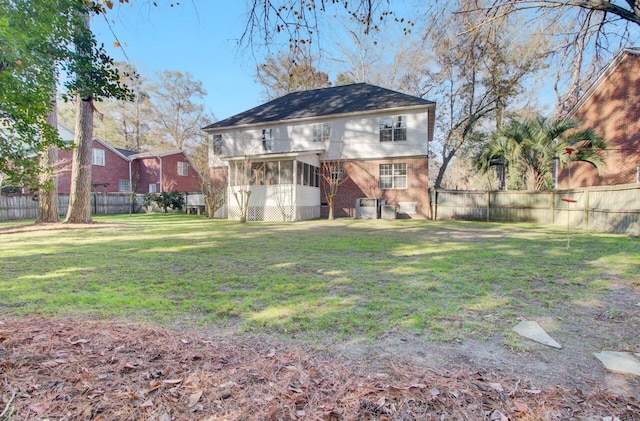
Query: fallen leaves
pixel 101 371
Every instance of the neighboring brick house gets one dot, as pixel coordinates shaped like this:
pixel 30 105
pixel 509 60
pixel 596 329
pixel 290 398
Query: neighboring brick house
pixel 121 170
pixel 382 135
pixel 611 106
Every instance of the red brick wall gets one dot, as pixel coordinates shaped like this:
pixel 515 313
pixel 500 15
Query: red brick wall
pixel 613 111
pixel 148 172
pixel 363 181
pixel 115 169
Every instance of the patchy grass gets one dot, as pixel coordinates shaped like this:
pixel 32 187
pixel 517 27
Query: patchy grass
pixel 444 280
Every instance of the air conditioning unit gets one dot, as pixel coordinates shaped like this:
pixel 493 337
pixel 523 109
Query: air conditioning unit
pixel 366 208
pixel 388 212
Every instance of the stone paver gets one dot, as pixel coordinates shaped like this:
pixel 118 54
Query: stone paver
pixel 619 362
pixel 532 330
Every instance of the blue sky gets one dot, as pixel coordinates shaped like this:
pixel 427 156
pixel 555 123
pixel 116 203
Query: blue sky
pixel 201 39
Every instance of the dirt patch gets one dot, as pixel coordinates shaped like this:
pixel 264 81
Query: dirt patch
pixel 108 370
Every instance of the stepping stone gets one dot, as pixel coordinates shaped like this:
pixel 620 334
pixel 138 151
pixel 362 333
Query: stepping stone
pixel 533 331
pixel 619 362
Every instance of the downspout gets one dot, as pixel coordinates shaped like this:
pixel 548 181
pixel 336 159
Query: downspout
pixel 131 193
pixel 160 159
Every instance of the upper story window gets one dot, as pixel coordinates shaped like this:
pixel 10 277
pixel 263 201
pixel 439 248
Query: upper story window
pixel 216 144
pixel 266 139
pixel 97 157
pixel 183 168
pixel 393 129
pixel 393 176
pixel 321 132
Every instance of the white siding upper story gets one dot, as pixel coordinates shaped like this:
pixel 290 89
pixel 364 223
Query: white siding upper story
pixel 351 137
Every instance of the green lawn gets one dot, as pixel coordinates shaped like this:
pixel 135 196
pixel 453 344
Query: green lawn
pixel 444 280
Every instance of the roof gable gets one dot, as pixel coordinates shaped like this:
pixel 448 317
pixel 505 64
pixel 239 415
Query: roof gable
pixel 355 98
pixel 604 75
pixel 125 152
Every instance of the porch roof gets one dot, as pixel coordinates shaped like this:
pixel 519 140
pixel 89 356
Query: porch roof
pixel 274 155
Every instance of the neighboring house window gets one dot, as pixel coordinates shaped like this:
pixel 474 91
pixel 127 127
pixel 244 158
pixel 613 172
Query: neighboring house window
pixel 638 175
pixel 321 132
pixel 123 185
pixel 393 129
pixel 266 139
pixel 98 157
pixel 216 144
pixel 153 188
pixel 393 176
pixel 183 168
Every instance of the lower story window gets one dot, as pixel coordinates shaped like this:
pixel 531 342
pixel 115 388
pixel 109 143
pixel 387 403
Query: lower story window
pixel 124 186
pixel 393 176
pixel 153 188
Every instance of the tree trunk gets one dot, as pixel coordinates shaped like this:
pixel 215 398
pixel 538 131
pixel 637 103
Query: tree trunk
pixel 48 197
pixel 443 168
pixel 80 196
pixel 331 201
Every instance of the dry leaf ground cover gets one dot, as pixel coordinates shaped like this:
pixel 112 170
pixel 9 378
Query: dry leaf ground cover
pixel 314 320
pixel 73 369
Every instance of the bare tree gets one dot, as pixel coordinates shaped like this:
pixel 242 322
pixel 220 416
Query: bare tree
pixel 333 174
pixel 243 175
pixel 480 69
pixel 585 34
pixel 178 111
pixel 286 73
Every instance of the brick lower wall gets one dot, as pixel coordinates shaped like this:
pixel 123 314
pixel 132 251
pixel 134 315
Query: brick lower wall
pixel 363 181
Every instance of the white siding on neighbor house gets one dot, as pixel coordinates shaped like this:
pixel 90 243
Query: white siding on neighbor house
pixel 352 137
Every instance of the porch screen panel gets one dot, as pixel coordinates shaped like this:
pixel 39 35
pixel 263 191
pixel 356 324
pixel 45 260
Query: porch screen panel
pixel 271 173
pixel 286 172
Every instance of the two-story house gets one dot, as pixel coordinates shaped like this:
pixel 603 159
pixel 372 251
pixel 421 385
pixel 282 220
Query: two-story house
pixel 277 148
pixel 121 170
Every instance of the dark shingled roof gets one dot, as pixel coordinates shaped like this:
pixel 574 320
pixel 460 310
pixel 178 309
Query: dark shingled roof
pixel 126 152
pixel 359 97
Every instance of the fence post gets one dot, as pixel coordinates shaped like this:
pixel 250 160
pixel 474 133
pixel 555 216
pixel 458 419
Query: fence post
pixel 586 207
pixel 488 205
pixel 553 206
pixel 435 204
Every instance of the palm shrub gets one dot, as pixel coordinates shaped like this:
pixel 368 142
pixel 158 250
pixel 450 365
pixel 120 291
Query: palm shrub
pixel 529 148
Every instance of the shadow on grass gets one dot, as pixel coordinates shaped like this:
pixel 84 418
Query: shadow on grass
pixel 351 278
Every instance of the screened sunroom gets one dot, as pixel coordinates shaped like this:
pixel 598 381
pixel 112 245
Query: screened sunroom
pixel 282 187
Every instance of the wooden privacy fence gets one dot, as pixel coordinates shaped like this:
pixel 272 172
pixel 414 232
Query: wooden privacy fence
pixel 607 209
pixel 26 206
